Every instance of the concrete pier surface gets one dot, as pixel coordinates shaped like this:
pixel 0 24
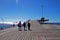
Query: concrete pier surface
pixel 38 32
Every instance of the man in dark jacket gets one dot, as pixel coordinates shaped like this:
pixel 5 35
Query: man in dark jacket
pixel 29 26
pixel 24 24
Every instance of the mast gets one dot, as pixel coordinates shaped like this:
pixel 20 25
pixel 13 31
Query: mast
pixel 42 9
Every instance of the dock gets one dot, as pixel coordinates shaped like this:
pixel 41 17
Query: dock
pixel 38 32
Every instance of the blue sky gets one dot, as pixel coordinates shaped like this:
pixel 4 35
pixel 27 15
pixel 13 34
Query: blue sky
pixel 15 10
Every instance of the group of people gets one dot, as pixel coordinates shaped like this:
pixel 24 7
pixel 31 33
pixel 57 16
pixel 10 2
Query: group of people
pixel 24 25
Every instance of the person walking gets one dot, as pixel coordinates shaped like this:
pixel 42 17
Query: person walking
pixel 29 25
pixel 24 24
pixel 19 26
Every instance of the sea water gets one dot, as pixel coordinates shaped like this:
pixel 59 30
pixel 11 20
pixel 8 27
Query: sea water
pixel 4 26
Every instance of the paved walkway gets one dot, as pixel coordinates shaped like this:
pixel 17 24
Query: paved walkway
pixel 39 32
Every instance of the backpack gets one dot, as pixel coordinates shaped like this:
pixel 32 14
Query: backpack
pixel 19 24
